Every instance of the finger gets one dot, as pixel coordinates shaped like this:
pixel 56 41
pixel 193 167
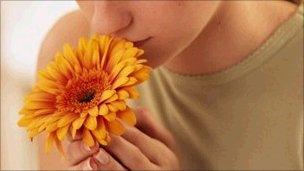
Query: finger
pixel 76 138
pixel 155 130
pixel 78 151
pixel 155 150
pixel 106 162
pixel 128 154
pixel 87 164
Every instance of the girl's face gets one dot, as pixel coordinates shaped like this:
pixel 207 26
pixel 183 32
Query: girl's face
pixel 162 28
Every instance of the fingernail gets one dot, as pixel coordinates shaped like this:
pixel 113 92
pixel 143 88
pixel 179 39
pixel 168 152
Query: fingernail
pixel 87 165
pixel 93 163
pixel 90 149
pixel 102 157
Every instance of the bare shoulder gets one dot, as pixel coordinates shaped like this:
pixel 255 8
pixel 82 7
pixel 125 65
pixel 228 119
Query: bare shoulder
pixel 66 30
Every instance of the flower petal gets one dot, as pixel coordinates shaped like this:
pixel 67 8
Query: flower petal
pixel 39 105
pixel 128 116
pixel 107 94
pixel 76 125
pixel 93 111
pixel 112 108
pixel 100 135
pixel 49 142
pixel 87 138
pixel 61 132
pixel 132 92
pixel 103 109
pixel 113 98
pixel 131 52
pixel 120 105
pixel 142 74
pixel 126 71
pixel 110 117
pixel 68 118
pixel 120 81
pixel 122 94
pixel 91 122
pixel 116 128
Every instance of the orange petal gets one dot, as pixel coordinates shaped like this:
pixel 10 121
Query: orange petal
pixel 116 127
pixel 49 142
pixel 54 71
pixel 87 138
pixel 100 135
pixel 139 52
pixel 25 111
pixel 116 69
pixel 132 81
pixel 51 127
pixel 82 44
pixel 44 111
pixel 39 105
pixel 132 92
pixel 120 105
pixel 70 56
pixel 128 116
pixel 95 58
pixel 23 122
pixel 113 98
pixel 91 122
pixel 59 147
pixel 76 125
pixel 114 60
pixel 63 65
pixel 142 74
pixel 68 118
pixel 122 94
pixel 131 52
pixel 112 108
pixel 110 117
pixel 105 46
pixel 41 96
pixel 84 114
pixel 103 109
pixel 32 133
pixel 126 71
pixel 61 132
pixel 48 86
pixel 120 81
pixel 107 94
pixel 93 111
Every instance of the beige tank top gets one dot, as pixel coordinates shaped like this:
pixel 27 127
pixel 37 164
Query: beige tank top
pixel 249 116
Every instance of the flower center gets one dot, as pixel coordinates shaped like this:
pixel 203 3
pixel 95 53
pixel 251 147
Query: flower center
pixel 87 97
pixel 83 92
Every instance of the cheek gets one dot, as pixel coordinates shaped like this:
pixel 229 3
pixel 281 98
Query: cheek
pixel 174 26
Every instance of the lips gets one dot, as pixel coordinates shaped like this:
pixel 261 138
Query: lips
pixel 141 42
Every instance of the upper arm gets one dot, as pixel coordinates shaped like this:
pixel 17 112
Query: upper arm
pixel 66 30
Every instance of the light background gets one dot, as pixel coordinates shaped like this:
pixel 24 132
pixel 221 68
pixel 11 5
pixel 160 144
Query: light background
pixel 24 24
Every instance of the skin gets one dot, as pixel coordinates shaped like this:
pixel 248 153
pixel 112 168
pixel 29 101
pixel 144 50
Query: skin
pixel 187 37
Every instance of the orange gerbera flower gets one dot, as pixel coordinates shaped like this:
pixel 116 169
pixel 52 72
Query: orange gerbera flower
pixel 85 90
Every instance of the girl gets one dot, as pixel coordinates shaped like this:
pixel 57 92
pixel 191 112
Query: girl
pixel 227 84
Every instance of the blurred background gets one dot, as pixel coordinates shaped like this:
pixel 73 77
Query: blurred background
pixel 23 27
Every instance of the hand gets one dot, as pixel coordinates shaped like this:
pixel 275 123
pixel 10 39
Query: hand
pixel 148 146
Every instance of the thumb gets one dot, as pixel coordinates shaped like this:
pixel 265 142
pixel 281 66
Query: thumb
pixel 151 127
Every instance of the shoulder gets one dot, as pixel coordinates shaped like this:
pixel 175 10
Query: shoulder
pixel 66 30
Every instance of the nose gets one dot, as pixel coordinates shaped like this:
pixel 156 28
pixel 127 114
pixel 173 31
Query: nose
pixel 110 17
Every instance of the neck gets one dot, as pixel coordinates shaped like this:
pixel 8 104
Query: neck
pixel 232 34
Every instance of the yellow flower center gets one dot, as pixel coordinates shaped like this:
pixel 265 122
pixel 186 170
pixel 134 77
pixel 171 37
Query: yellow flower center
pixel 83 91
